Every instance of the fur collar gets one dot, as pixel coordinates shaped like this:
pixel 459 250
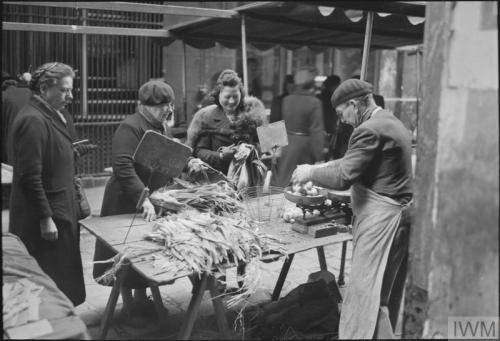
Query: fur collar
pixel 252 116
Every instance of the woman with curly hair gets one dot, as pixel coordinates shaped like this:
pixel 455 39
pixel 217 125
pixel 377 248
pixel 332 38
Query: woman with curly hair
pixel 217 128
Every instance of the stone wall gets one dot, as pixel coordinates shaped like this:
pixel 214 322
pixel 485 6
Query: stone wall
pixel 454 242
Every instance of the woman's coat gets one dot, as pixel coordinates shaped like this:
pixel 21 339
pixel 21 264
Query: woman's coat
pixel 129 178
pixel 43 186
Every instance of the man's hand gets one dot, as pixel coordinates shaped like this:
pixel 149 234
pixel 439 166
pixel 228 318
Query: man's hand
pixel 195 165
pixel 48 229
pixel 148 212
pixel 302 173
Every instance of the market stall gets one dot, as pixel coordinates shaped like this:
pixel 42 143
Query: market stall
pixel 147 256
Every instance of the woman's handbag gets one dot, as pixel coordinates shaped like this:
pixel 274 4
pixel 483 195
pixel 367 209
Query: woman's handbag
pixel 83 203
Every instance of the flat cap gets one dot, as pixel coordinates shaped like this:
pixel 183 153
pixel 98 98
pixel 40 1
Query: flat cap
pixel 156 92
pixel 350 89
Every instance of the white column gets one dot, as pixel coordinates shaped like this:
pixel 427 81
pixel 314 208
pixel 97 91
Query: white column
pixel 289 62
pixel 366 45
pixel 244 53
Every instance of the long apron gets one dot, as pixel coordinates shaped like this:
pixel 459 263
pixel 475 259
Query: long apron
pixel 376 220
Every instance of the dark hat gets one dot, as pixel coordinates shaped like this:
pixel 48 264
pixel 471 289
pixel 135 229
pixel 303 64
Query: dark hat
pixel 156 92
pixel 304 77
pixel 350 89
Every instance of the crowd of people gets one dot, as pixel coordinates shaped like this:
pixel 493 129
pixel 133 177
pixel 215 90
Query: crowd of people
pixel 368 150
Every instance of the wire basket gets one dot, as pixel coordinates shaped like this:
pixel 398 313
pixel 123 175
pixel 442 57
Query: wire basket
pixel 263 205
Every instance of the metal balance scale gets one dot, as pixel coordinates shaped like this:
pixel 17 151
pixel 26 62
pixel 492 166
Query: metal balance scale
pixel 331 218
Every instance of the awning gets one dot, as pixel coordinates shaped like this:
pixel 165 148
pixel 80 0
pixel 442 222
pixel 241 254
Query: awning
pixel 315 24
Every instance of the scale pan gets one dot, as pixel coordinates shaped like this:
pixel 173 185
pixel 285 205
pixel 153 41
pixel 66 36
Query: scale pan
pixel 306 200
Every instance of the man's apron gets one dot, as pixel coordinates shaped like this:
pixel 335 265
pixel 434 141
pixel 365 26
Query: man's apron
pixel 376 219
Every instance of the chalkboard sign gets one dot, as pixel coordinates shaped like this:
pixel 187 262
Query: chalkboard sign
pixel 272 135
pixel 162 154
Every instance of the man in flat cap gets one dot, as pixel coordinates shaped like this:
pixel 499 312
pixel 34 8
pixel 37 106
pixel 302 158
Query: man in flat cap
pixel 303 115
pixel 377 168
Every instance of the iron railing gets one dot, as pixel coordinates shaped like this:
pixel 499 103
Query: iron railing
pixel 116 66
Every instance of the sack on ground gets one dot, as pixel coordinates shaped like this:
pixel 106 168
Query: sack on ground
pixel 311 308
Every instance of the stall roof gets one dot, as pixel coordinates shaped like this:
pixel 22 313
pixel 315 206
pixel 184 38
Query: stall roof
pixel 315 24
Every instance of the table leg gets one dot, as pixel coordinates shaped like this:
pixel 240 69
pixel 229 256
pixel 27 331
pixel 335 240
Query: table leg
pixel 113 298
pixel 240 272
pixel 194 307
pixel 341 281
pixel 220 311
pixel 160 308
pixel 321 257
pixel 282 277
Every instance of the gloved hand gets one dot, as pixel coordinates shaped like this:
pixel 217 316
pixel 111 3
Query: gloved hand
pixel 83 148
pixel 195 165
pixel 302 173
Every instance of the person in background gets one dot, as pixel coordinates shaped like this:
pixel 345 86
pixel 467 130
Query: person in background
pixel 8 80
pixel 43 207
pixel 276 106
pixel 203 96
pixel 14 96
pixel 254 84
pixel 377 167
pixel 329 115
pixel 303 115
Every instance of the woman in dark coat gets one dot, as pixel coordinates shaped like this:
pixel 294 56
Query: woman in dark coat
pixel 14 98
pixel 124 188
pixel 276 106
pixel 43 207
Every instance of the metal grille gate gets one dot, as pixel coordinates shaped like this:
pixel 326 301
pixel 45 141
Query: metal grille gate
pixel 116 66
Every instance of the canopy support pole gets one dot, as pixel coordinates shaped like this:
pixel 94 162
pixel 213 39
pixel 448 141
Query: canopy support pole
pixel 184 87
pixel 84 72
pixel 366 45
pixel 244 53
pixel 289 62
